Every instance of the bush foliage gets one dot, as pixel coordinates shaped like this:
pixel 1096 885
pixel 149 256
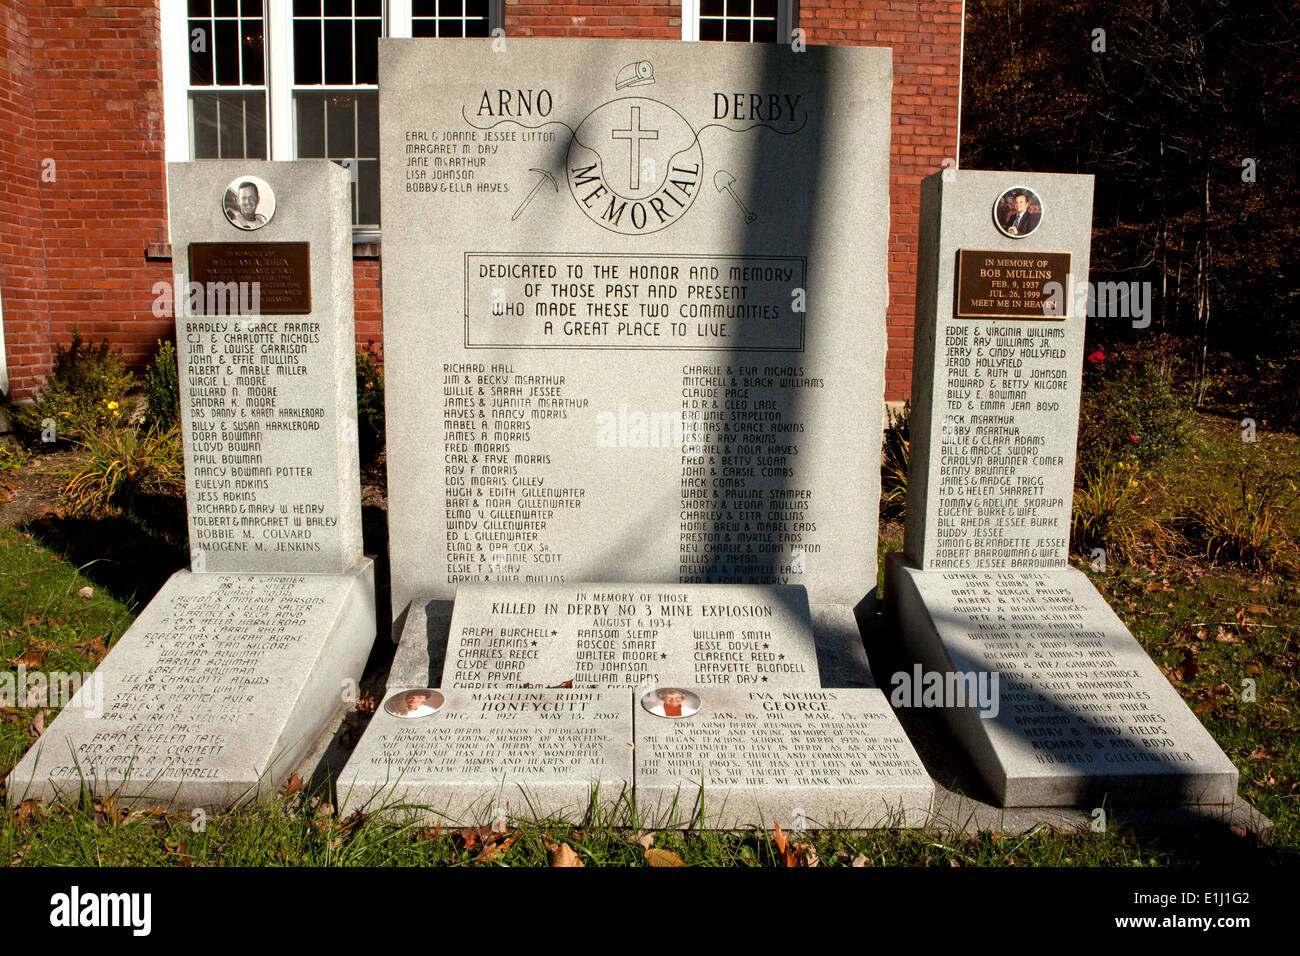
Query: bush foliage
pixel 84 393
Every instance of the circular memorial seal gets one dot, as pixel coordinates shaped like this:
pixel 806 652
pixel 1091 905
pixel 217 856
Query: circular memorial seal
pixel 634 166
pixel 670 702
pixel 416 702
pixel 1017 212
pixel 249 203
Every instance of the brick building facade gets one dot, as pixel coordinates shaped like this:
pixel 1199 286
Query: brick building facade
pixel 86 129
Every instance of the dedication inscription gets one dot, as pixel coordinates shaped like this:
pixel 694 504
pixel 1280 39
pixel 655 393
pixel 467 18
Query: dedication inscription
pixel 633 334
pixel 809 758
pixel 275 276
pixel 530 753
pixel 609 636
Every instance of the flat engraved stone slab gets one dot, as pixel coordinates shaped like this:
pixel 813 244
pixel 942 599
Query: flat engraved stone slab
pixel 213 694
pixel 1081 712
pixel 511 635
pixel 801 759
pixel 531 754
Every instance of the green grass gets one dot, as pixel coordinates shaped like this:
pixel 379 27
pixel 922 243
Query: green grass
pixel 47 625
pixel 294 832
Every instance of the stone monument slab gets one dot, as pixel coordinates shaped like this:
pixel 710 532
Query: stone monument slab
pixel 634 312
pixel 531 754
pixel 264 341
pixel 997 367
pixel 802 759
pixel 1081 713
pixel 1068 709
pixel 212 694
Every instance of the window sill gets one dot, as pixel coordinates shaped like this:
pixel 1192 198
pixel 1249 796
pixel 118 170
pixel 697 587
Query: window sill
pixel 362 248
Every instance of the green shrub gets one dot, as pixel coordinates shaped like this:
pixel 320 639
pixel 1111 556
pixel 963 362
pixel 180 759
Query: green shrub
pixel 125 462
pixel 1130 410
pixel 1113 510
pixel 1247 525
pixel 370 405
pixel 162 388
pixel 83 393
pixel 895 455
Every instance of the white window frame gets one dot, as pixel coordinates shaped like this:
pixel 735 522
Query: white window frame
pixel 785 17
pixel 175 43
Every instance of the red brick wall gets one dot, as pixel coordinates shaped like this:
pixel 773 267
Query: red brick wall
pixel 81 84
pixel 926 38
pixel 22 255
pixel 631 21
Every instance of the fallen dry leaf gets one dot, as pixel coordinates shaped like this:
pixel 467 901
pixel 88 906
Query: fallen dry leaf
pixel 658 857
pixel 562 855
pixel 292 785
pixel 498 848
pixel 87 592
pixel 859 861
pixel 1187 670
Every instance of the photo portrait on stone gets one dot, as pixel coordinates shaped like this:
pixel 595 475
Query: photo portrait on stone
pixel 670 702
pixel 416 702
pixel 249 203
pixel 1018 212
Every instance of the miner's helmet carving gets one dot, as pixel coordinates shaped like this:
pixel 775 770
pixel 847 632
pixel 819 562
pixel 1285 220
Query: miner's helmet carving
pixel 641 73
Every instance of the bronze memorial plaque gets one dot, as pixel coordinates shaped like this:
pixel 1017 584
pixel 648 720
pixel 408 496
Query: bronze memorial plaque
pixel 270 278
pixel 1010 285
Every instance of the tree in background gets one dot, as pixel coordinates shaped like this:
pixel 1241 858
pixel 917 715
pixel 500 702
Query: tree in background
pixel 1185 113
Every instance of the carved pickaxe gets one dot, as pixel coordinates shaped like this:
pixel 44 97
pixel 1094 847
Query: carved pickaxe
pixel 529 198
pixel 724 180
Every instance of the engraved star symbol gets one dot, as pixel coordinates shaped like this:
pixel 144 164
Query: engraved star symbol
pixel 764 680
pixel 780 657
pixel 765 647
pixel 663 657
pixel 534 643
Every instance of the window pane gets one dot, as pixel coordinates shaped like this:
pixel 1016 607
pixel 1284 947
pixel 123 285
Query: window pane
pixel 710 29
pixel 367 193
pixel 250 8
pixel 200 8
pixel 765 8
pixel 226 8
pixel 226 48
pixel 450 8
pixel 306 51
pixel 306 8
pixel 711 8
pixel 228 125
pixel 367 51
pixel 340 127
pixel 338 52
pixel 368 124
pixel 338 8
pixel 201 62
pixel 369 8
pixel 424 8
pixel 451 28
pixel 309 109
pixel 764 31
pixel 254 62
pixel 478 8
pixel 737 30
